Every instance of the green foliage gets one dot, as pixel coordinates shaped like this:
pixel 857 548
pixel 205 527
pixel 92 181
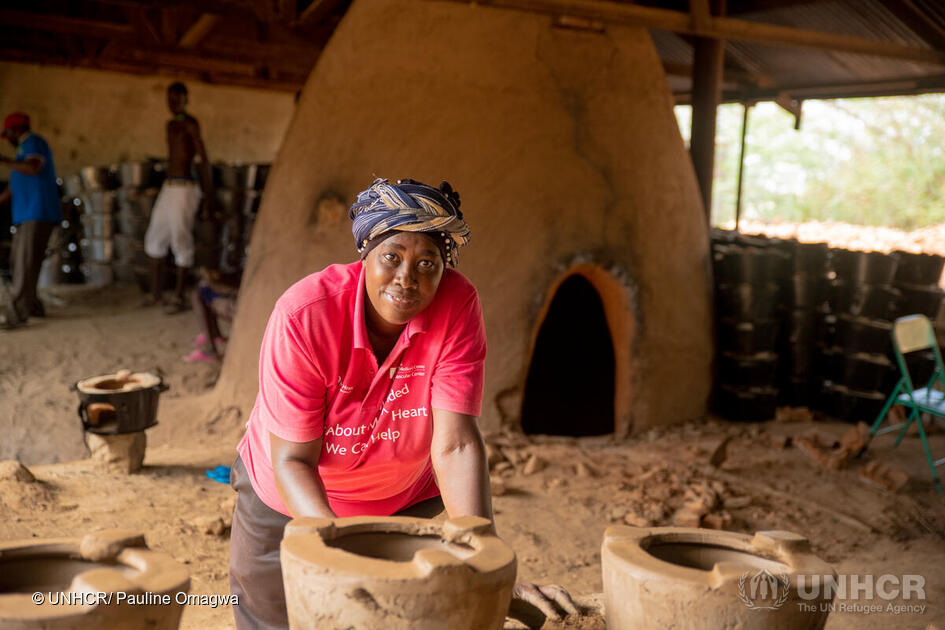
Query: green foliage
pixel 876 161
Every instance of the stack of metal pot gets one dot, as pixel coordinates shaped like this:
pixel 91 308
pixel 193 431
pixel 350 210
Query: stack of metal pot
pixel 97 201
pixel 238 190
pixel 139 185
pixel 805 316
pixel 748 274
pixel 855 364
pixel 917 280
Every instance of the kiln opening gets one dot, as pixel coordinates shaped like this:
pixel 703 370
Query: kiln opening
pixel 570 385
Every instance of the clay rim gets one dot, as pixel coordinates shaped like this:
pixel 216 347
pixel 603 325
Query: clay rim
pixel 630 546
pixel 141 380
pixel 149 571
pixel 308 545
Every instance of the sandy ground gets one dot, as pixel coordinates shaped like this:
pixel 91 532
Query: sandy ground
pixel 554 516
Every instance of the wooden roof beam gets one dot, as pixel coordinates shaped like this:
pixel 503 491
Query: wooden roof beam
pixel 67 25
pixel 316 12
pixel 890 87
pixel 718 27
pixel 197 31
pixel 138 16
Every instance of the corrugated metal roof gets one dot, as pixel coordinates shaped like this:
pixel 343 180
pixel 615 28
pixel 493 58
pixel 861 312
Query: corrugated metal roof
pixel 762 70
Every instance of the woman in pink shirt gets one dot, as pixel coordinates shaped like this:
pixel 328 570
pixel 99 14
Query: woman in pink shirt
pixel 370 388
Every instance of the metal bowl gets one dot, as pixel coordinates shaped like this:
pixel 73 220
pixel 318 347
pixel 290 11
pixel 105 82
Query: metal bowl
pixel 98 178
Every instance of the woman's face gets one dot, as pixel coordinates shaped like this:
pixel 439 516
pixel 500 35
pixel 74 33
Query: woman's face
pixel 401 276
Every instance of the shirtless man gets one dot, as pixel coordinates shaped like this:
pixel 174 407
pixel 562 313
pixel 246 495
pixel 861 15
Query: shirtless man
pixel 172 218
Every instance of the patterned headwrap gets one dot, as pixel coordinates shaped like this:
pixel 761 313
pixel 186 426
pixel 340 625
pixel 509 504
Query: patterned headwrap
pixel 409 206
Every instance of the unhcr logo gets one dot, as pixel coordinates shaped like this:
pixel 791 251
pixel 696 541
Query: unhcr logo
pixel 763 590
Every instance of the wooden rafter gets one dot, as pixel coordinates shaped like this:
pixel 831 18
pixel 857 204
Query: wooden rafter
pixel 726 28
pixel 317 11
pixel 143 24
pixel 197 31
pixel 66 25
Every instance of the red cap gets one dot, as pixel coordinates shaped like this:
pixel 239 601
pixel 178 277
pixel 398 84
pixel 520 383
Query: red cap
pixel 17 119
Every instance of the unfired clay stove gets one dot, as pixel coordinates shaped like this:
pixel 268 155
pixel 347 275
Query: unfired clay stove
pixel 396 573
pixel 697 578
pixel 109 562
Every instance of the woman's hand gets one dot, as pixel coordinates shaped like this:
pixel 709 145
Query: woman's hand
pixel 533 603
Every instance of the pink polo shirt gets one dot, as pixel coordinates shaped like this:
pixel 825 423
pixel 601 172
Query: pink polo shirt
pixel 318 377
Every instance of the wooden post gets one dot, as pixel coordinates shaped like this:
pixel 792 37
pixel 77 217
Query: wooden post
pixel 709 55
pixel 741 164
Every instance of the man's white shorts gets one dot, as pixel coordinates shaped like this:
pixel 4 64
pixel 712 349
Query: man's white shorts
pixel 172 222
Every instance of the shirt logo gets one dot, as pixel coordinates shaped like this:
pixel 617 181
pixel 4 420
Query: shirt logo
pixel 409 371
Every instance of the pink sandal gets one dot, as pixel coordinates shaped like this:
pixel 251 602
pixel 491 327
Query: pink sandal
pixel 201 340
pixel 199 356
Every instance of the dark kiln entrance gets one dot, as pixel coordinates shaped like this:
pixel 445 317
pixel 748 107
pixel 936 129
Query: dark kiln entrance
pixel 570 385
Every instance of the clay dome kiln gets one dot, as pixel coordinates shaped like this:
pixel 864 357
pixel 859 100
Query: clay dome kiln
pixel 590 248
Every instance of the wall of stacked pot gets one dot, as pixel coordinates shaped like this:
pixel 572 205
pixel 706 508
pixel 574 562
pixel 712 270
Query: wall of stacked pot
pixel 802 324
pixel 106 211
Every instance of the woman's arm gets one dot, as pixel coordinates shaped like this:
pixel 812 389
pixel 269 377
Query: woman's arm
pixel 459 463
pixel 295 465
pixel 462 473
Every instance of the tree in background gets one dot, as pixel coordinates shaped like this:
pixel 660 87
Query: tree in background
pixel 876 161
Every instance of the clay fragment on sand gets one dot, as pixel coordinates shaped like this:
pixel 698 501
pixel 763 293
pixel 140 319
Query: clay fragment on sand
pixel 781 441
pixel 13 470
pixel 636 520
pixel 498 486
pixel 209 525
pixel 494 456
pixel 556 482
pixel 107 544
pixel 654 512
pixel 228 504
pixel 687 517
pixel 810 447
pixel 533 465
pixel 503 467
pixel 718 520
pixel 583 469
pixel 793 414
pixel 701 497
pixel 856 439
pixel 884 476
pixel 735 503
pixel 513 455
pixel 720 452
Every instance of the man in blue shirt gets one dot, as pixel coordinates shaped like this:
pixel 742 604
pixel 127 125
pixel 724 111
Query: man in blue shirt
pixel 36 211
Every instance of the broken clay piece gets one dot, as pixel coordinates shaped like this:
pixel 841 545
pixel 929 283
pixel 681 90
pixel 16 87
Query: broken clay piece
pixel 396 573
pixel 884 476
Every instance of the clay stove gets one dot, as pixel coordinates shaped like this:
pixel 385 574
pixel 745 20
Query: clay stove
pixel 396 573
pixel 691 578
pixel 108 562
